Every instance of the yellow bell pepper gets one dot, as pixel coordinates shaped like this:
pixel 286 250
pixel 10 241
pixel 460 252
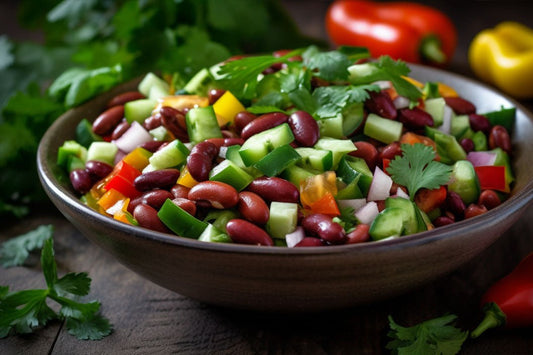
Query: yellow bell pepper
pixel 226 108
pixel 503 57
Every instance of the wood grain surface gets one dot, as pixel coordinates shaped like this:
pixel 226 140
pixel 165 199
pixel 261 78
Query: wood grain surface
pixel 148 319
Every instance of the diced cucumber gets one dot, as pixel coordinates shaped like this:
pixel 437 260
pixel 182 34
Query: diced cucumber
pixel 70 148
pixel 362 70
pixel 352 117
pixel 383 129
pixel 75 163
pixel 464 181
pixel 331 127
pixel 283 219
pixel 214 235
pixel 502 159
pixel 160 133
pixel 312 158
pixel 277 160
pixel 149 81
pixel 339 147
pixel 350 191
pixel 232 154
pixel 435 107
pixel 449 148
pixel 296 174
pixel 228 172
pixel 158 92
pixel 172 155
pixel 84 133
pixel 410 220
pixel 219 218
pixel 102 151
pixel 139 110
pixel 388 223
pixel 480 141
pixel 460 125
pixel 260 144
pixel 351 168
pixel 202 124
pixel 199 83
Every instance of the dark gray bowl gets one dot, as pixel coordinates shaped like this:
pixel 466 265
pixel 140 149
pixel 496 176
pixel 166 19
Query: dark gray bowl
pixel 296 279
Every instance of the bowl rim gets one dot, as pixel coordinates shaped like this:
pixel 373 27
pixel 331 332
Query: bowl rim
pixel 515 204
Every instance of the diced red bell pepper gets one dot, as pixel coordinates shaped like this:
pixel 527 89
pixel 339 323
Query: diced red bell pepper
pixel 326 205
pixel 427 200
pixel 122 180
pixel 492 177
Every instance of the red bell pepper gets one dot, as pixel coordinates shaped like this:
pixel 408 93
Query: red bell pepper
pixel 492 177
pixel 509 302
pixel 403 30
pixel 326 205
pixel 122 179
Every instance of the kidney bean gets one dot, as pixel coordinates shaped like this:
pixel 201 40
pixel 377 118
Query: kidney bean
pixel 367 152
pixel 467 144
pixel 390 151
pixel 180 191
pixel 242 119
pixel 359 234
pixel 214 94
pixel 499 138
pixel 156 198
pixel 164 178
pixel 244 232
pixel 219 194
pixel 281 52
pixel 119 130
pixel 98 169
pixel 455 204
pixel 152 122
pixel 474 210
pixel 186 204
pixel 81 180
pixel 274 189
pixel 415 118
pixel 489 199
pixel 305 128
pixel 381 104
pixel 324 227
pixel 460 106
pixel 226 133
pixel 479 123
pixel 121 99
pixel 170 119
pixel 134 203
pixel 147 217
pixel 262 123
pixel 200 160
pixel 442 221
pixel 253 208
pixel 310 242
pixel 108 120
pixel 152 146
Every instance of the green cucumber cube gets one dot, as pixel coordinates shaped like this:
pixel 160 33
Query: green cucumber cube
pixel 383 129
pixel 283 219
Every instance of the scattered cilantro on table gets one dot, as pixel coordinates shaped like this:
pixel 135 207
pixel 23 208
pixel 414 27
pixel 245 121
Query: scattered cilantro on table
pixel 23 311
pixel 15 251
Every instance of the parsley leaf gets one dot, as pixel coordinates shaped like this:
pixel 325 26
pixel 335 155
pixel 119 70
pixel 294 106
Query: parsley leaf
pixel 435 336
pixel 417 169
pixel 16 250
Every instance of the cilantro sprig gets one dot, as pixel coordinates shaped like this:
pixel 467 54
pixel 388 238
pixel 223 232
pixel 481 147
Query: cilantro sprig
pixel 23 311
pixel 434 336
pixel 416 169
pixel 15 251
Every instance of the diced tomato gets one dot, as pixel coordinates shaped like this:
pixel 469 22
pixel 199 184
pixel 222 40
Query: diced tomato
pixel 386 163
pixel 492 177
pixel 427 200
pixel 326 205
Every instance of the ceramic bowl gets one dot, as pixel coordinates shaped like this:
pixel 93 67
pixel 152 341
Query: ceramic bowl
pixel 295 279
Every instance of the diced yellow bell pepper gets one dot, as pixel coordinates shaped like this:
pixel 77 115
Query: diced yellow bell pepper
pixel 180 102
pixel 186 179
pixel 110 198
pixel 138 158
pixel 226 108
pixel 315 187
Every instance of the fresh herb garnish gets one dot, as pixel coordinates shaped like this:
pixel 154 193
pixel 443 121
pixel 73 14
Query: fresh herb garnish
pixel 417 169
pixel 434 336
pixel 15 251
pixel 23 311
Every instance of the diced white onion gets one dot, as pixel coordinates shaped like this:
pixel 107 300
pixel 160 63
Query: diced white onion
pixel 481 158
pixel 401 193
pixel 135 136
pixel 355 203
pixel 295 237
pixel 401 102
pixel 367 213
pixel 446 120
pixel 380 186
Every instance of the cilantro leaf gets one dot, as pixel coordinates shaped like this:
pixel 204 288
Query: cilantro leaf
pixel 332 100
pixel 417 169
pixel 6 56
pixel 331 66
pixel 435 336
pixel 73 283
pixel 94 328
pixel 16 250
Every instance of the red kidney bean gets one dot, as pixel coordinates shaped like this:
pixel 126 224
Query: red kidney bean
pixel 367 152
pixel 108 120
pixel 467 144
pixel 305 128
pixel 499 138
pixel 390 151
pixel 415 118
pixel 479 123
pixel 359 234
pixel 455 204
pixel 442 221
pixel 152 146
pixel 186 204
pixel 242 119
pixel 119 130
pixel 121 99
pixel 324 227
pixel 147 217
pixel 152 122
pixel 180 191
pixel 262 123
pixel 134 203
pixel 489 199
pixel 156 198
pixel 81 180
pixel 310 242
pixel 282 52
pixel 226 133
pixel 174 121
pixel 200 160
pixel 474 210
pixel 244 232
pixel 214 94
pixel 219 194
pixel 460 106
pixel 381 104
pixel 274 189
pixel 164 178
pixel 253 208
pixel 317 82
pixel 98 169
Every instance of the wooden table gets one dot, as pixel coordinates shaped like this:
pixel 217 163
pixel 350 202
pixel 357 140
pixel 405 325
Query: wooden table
pixel 150 319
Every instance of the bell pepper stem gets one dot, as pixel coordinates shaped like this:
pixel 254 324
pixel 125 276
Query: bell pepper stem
pixel 431 50
pixel 494 317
